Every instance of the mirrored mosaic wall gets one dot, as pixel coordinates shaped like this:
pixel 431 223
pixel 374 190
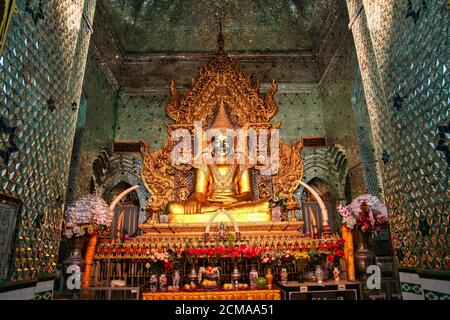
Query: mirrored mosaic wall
pixel 187 26
pixel 143 117
pixel 41 70
pixel 336 58
pixel 402 50
pixel 370 164
pixel 95 128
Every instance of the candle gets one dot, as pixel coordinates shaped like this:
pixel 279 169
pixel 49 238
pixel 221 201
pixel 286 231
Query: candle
pixel 351 257
pixel 345 238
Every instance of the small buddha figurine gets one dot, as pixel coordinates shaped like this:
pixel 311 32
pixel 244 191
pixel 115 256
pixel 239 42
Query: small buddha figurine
pixel 222 233
pixel 221 185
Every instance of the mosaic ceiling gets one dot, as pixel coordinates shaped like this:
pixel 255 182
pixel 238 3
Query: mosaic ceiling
pixel 191 26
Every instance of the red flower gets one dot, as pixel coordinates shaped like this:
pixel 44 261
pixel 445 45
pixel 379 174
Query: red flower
pixel 340 252
pixel 330 258
pixel 168 266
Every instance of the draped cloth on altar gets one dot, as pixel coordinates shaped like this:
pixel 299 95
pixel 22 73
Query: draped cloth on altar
pixel 272 294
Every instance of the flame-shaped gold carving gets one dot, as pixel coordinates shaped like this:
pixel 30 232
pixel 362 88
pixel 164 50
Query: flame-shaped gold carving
pixel 221 80
pixel 290 172
pixel 158 174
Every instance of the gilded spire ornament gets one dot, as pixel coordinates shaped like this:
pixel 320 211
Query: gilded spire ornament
pixel 221 80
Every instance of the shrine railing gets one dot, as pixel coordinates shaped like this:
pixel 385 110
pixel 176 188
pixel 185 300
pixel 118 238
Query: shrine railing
pixel 135 262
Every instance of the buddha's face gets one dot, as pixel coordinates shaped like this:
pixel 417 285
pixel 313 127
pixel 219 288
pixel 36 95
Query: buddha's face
pixel 223 146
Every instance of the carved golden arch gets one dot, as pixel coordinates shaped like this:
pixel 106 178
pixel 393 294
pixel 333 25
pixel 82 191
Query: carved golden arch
pixel 233 222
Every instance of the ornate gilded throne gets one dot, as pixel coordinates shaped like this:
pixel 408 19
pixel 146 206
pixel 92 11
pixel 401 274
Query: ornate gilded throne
pixel 220 85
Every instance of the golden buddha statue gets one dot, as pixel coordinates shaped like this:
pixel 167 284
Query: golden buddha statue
pixel 220 188
pixel 221 185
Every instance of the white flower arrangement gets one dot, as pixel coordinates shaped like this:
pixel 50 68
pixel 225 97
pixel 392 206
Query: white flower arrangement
pixel 348 218
pixel 351 213
pixel 87 214
pixel 160 257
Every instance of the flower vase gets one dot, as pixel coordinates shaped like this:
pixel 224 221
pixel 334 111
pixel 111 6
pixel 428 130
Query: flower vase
pixel 193 276
pixel 153 283
pixel 284 276
pixel 269 278
pixel 301 276
pixel 163 282
pixel 363 256
pixel 319 274
pixel 75 259
pixel 336 274
pixel 235 276
pixel 253 276
pixel 176 280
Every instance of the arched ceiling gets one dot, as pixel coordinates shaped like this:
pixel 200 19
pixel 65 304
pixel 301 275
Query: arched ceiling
pixel 191 26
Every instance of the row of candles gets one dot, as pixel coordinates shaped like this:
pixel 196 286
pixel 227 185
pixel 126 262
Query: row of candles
pixel 137 249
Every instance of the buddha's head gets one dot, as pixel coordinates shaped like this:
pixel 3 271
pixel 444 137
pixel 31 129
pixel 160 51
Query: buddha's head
pixel 223 147
pixel 222 137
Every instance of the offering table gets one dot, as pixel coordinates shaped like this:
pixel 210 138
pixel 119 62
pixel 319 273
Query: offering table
pixel 261 294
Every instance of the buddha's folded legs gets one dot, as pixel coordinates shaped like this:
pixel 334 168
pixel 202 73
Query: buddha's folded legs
pixel 178 207
pixel 246 211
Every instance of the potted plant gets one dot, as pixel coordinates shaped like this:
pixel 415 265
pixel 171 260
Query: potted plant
pixel 301 260
pixel 89 215
pixel 366 215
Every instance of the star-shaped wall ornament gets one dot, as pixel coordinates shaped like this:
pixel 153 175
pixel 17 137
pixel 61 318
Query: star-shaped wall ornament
pixel 385 157
pixel 35 9
pixel 51 104
pixel 443 144
pixel 400 254
pixel 8 144
pixel 424 227
pixel 398 102
pixel 415 9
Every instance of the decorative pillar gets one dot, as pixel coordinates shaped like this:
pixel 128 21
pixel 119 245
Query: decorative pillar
pixel 402 49
pixel 369 70
pixel 371 165
pixel 351 257
pixel 39 69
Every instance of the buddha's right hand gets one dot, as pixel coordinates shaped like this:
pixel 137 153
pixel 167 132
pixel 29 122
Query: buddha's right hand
pixel 193 204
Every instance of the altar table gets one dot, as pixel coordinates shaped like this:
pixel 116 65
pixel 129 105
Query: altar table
pixel 265 294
